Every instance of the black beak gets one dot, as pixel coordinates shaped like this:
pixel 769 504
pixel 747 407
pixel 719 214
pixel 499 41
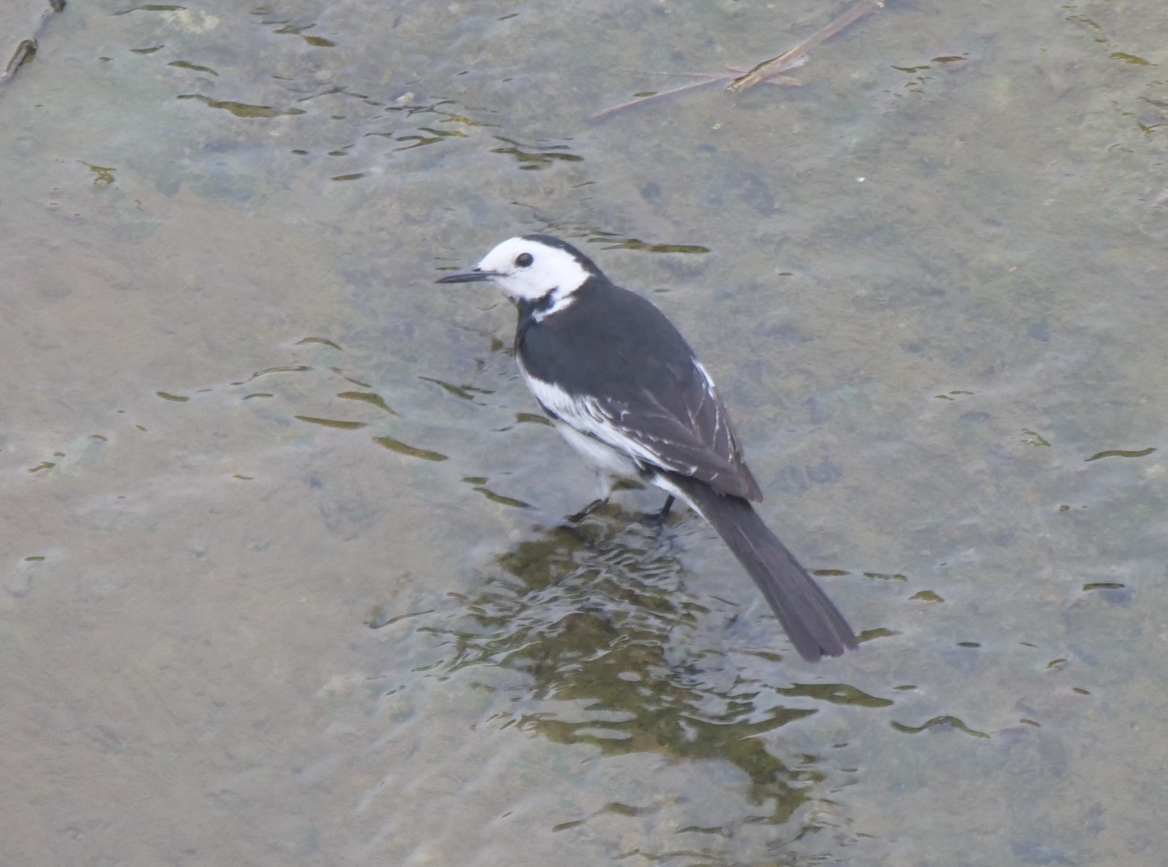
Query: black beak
pixel 467 275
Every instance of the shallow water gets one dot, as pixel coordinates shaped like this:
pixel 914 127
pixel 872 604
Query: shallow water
pixel 285 574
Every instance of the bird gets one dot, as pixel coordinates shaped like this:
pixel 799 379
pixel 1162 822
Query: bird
pixel 627 392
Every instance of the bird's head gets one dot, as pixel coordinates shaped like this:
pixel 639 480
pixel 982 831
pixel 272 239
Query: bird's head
pixel 537 269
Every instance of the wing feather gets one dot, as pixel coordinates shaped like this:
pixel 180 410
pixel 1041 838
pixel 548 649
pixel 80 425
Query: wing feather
pixel 694 438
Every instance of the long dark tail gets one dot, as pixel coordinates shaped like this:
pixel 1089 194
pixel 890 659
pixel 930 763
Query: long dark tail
pixel 811 621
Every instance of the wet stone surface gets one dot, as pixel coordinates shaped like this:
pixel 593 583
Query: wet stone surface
pixel 284 570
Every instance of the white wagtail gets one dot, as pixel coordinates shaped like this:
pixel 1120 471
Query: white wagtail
pixel 625 390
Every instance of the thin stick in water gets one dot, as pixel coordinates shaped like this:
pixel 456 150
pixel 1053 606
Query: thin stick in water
pixel 788 58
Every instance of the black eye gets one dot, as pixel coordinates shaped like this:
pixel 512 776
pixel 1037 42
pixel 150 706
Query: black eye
pixel 524 259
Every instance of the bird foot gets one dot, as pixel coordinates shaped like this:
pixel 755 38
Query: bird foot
pixel 658 519
pixel 586 511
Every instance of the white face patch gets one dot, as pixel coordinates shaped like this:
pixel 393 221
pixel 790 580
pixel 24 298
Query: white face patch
pixel 550 270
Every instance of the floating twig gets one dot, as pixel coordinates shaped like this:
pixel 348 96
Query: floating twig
pixel 707 78
pixel 711 79
pixel 788 58
pixel 768 71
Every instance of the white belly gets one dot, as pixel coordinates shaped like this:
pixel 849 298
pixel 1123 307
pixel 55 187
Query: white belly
pixel 597 453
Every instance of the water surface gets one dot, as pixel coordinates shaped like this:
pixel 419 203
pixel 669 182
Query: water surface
pixel 286 577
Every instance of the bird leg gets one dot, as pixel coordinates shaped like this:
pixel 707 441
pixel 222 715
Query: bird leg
pixel 660 518
pixel 587 510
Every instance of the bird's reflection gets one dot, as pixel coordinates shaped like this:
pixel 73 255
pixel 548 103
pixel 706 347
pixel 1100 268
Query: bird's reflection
pixel 616 653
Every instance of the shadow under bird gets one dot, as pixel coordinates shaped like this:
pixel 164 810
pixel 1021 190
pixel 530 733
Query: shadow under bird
pixel 626 391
